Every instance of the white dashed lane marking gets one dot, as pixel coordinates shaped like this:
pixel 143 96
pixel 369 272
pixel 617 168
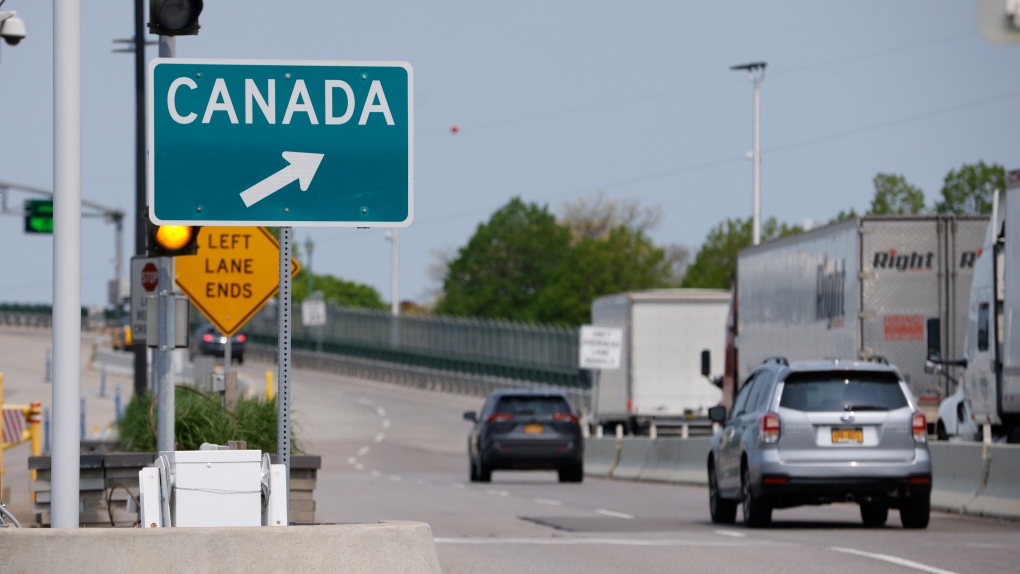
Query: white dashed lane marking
pixel 613 513
pixel 386 424
pixel 732 533
pixel 380 411
pixel 363 450
pixel 895 560
pixel 379 437
pixel 499 492
pixel 548 502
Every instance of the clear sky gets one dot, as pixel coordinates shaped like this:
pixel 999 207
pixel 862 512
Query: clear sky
pixel 555 100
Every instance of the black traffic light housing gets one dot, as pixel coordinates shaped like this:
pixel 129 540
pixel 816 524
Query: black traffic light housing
pixel 173 241
pixel 174 17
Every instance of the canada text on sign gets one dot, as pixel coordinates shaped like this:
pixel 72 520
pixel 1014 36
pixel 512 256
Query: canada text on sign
pixel 280 143
pixel 235 273
pixel 600 347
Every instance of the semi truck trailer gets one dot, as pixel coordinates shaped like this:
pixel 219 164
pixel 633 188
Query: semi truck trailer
pixel 860 289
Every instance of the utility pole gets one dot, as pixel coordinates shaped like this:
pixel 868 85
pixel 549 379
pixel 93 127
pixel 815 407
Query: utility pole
pixel 141 215
pixel 756 71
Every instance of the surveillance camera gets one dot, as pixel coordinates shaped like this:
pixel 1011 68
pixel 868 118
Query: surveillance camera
pixel 12 29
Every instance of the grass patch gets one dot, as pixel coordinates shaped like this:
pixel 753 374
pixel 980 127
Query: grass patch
pixel 199 419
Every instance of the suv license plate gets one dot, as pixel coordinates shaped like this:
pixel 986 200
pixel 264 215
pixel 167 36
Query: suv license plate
pixel 847 436
pixel 533 429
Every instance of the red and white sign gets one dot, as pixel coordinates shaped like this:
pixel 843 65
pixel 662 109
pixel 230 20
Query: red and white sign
pixel 14 426
pixel 150 277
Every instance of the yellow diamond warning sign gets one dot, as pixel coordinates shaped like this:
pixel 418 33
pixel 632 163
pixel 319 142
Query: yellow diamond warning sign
pixel 235 273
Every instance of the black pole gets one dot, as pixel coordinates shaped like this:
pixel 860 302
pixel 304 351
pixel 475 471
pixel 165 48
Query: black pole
pixel 141 363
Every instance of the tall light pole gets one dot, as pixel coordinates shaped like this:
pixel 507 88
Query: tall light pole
pixel 756 71
pixel 394 237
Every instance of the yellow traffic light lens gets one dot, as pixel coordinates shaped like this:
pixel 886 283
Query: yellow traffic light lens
pixel 174 237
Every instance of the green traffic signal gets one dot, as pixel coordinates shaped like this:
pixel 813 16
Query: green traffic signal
pixel 171 240
pixel 39 216
pixel 174 17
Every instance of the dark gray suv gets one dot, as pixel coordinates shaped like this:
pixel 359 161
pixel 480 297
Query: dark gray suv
pixel 524 429
pixel 818 433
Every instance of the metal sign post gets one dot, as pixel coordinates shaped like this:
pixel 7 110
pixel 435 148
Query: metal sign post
pixel 162 358
pixel 284 318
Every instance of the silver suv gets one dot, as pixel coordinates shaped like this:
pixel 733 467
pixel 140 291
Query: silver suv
pixel 818 433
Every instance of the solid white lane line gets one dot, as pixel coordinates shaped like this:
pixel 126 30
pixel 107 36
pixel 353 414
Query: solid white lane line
pixel 499 492
pixel 895 560
pixel 732 533
pixel 379 437
pixel 614 513
pixel 386 424
pixel 363 450
pixel 381 411
pixel 548 502
pixel 592 541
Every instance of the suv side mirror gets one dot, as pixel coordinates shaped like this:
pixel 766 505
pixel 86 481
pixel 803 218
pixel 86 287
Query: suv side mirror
pixel 717 414
pixel 934 339
pixel 706 362
pixel 471 416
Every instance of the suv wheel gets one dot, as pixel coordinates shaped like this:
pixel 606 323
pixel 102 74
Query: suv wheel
pixel 472 471
pixel 723 511
pixel 572 473
pixel 874 514
pixel 484 472
pixel 915 511
pixel 757 513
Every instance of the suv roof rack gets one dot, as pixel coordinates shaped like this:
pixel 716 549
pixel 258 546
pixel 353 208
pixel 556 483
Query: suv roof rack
pixel 777 359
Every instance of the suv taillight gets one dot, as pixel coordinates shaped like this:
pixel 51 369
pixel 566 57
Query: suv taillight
pixel 499 417
pixel 241 338
pixel 207 337
pixel 565 417
pixel 920 425
pixel 770 428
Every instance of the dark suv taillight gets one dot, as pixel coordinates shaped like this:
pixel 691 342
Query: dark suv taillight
pixel 565 417
pixel 499 418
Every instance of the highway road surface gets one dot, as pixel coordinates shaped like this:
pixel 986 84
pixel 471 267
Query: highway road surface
pixel 389 452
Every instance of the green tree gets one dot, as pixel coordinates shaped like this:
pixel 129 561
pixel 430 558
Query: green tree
pixel 506 264
pixel 843 215
pixel 623 260
pixel 970 188
pixel 715 264
pixel 336 290
pixel 894 196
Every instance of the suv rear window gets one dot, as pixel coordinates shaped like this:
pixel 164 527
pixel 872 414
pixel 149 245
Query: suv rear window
pixel 842 391
pixel 532 405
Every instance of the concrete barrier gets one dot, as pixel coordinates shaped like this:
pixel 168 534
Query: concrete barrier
pixel 958 474
pixel 349 548
pixel 1000 496
pixel 633 457
pixel 599 456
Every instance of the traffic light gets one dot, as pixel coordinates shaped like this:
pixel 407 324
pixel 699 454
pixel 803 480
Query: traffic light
pixel 171 240
pixel 174 17
pixel 39 216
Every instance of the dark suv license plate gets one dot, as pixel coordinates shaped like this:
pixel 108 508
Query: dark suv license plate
pixel 847 436
pixel 533 429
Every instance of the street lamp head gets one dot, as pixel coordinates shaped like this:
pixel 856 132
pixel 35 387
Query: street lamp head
pixel 12 28
pixel 751 67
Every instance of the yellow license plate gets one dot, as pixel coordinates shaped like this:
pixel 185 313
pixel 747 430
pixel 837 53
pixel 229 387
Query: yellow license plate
pixel 533 429
pixel 847 436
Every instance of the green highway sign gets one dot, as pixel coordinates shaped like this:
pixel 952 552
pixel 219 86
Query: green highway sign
pixel 39 216
pixel 280 143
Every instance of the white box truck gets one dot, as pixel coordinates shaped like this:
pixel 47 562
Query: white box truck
pixel 859 289
pixel 659 380
pixel 991 357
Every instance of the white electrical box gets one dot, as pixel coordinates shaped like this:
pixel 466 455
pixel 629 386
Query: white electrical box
pixel 215 487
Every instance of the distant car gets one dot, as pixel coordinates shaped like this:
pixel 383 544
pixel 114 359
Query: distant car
pixel 818 433
pixel 525 429
pixel 207 340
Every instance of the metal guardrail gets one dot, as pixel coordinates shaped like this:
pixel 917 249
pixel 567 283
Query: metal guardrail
pixel 412 376
pixel 545 354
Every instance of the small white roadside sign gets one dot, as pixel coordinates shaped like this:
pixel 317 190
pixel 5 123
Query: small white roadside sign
pixel 313 312
pixel 600 347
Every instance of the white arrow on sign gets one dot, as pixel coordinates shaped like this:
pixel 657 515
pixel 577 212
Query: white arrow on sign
pixel 302 167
